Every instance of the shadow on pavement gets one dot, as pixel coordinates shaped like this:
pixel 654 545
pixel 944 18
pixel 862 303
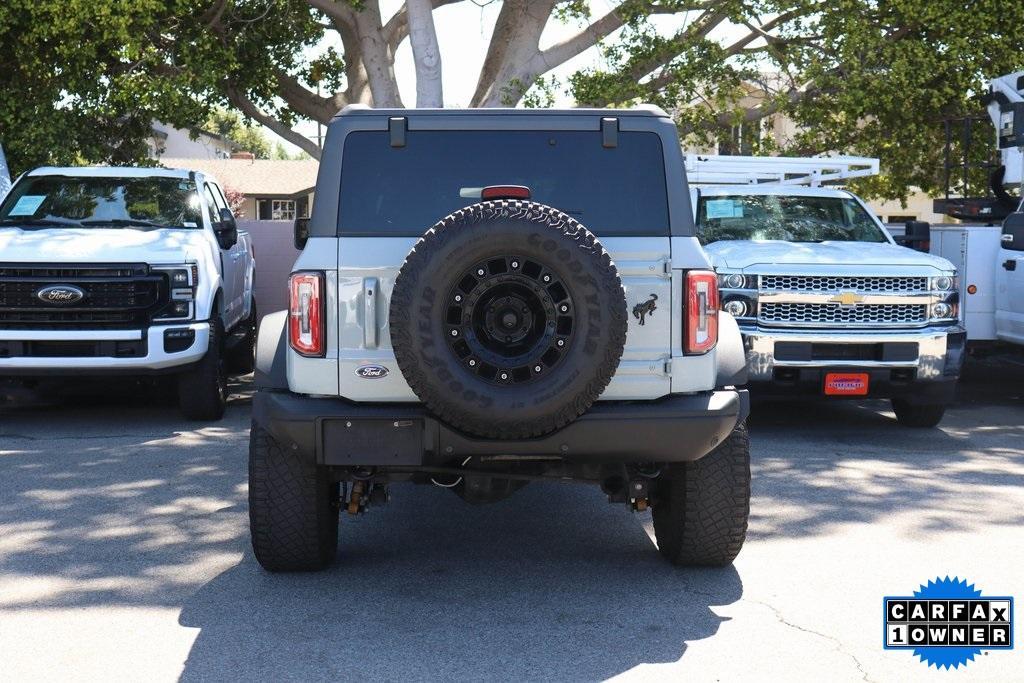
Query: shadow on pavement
pixel 553 584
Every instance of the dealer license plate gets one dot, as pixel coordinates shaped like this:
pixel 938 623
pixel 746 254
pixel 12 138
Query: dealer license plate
pixel 846 384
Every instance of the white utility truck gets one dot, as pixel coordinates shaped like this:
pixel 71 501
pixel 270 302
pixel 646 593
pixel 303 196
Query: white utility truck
pixel 827 302
pixel 125 271
pixel 989 256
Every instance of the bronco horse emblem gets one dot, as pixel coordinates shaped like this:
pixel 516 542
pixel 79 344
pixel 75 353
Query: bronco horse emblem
pixel 645 308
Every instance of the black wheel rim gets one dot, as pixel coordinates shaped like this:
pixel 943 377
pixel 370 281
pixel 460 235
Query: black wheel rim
pixel 510 320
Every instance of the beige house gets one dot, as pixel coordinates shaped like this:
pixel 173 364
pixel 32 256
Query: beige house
pixel 176 143
pixel 275 190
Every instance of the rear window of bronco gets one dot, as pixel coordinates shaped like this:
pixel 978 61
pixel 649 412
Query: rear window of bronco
pixel 405 190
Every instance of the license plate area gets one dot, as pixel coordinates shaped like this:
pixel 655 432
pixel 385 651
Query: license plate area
pixel 847 383
pixel 372 442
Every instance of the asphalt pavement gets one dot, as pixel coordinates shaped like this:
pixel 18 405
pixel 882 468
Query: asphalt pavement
pixel 124 555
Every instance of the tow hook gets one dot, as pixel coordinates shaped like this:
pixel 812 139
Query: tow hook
pixel 355 501
pixel 639 491
pixel 363 496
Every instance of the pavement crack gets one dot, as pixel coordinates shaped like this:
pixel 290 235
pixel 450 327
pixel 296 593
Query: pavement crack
pixel 835 641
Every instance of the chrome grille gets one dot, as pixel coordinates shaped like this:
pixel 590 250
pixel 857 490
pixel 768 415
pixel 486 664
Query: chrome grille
pixel 828 315
pixel 827 283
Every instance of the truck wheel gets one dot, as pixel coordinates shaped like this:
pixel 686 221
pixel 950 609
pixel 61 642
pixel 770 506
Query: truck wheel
pixel 203 390
pixel 241 357
pixel 701 508
pixel 293 513
pixel 508 319
pixel 916 415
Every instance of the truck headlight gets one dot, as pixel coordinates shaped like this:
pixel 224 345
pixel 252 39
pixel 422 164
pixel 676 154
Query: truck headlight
pixel 734 281
pixel 942 311
pixel 182 283
pixel 943 283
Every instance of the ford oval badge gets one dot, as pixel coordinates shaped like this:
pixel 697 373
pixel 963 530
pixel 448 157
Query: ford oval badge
pixel 372 371
pixel 60 295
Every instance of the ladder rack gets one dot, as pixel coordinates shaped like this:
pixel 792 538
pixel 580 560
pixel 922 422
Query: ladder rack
pixel 710 169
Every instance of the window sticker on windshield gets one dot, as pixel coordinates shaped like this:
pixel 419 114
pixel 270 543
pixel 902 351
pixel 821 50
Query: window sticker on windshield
pixel 27 205
pixel 190 224
pixel 724 208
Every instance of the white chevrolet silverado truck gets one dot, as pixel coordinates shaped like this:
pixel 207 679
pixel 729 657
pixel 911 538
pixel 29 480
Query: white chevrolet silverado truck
pixel 828 304
pixel 129 272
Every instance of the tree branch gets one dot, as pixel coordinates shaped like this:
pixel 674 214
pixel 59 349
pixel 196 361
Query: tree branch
pixel 560 53
pixel 306 102
pixel 249 108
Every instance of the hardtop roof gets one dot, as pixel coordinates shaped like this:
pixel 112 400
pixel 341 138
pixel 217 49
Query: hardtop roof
pixel 648 110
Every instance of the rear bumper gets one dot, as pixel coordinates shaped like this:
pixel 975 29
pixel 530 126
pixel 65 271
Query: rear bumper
pixel 333 431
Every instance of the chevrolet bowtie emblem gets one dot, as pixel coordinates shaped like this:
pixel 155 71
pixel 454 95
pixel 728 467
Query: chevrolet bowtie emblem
pixel 847 299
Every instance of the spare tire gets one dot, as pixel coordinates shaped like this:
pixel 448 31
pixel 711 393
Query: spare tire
pixel 508 319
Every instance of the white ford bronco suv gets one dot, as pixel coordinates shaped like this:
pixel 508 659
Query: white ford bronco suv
pixel 136 272
pixel 486 298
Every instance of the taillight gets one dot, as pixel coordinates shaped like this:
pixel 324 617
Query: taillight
pixel 701 311
pixel 305 319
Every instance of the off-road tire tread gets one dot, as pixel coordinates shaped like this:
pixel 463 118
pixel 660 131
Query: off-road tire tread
pixel 404 299
pixel 293 520
pixel 198 394
pixel 702 509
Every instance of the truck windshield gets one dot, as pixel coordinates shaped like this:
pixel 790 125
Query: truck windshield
pixel 100 202
pixel 404 190
pixel 790 218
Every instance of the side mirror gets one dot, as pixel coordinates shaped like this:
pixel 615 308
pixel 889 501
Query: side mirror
pixel 301 233
pixel 918 236
pixel 1013 232
pixel 226 230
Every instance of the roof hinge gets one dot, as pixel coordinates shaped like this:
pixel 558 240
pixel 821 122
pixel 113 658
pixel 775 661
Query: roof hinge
pixel 609 132
pixel 396 128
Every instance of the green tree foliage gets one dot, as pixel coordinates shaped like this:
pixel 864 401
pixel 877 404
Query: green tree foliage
pixel 248 137
pixel 864 77
pixel 83 78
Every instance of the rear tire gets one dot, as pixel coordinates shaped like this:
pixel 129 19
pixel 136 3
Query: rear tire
pixel 203 390
pixel 920 416
pixel 241 357
pixel 702 507
pixel 293 513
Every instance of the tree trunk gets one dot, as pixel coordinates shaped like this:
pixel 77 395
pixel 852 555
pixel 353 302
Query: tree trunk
pixel 5 175
pixel 426 54
pixel 377 57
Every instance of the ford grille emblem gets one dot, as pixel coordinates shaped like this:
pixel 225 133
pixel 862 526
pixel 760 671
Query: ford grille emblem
pixel 60 295
pixel 372 371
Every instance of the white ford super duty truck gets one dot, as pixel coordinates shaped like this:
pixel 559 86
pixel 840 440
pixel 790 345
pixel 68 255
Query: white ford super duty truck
pixel 125 271
pixel 828 304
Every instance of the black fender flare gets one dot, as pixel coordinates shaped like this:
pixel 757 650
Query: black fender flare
pixel 730 354
pixel 271 345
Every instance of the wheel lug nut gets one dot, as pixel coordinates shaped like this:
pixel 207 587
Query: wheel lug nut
pixel 458 297
pixel 472 363
pixel 546 278
pixel 515 264
pixel 561 342
pixel 480 271
pixel 504 375
pixel 455 333
pixel 536 368
pixel 564 308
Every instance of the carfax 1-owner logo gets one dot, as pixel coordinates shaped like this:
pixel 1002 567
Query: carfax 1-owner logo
pixel 948 622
